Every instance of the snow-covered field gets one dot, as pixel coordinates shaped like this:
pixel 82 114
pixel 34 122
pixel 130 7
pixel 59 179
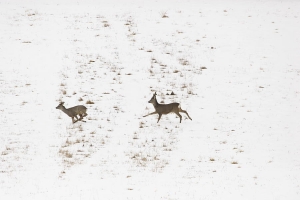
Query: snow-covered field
pixel 233 65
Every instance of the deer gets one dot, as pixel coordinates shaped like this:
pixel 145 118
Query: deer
pixel 164 109
pixel 73 111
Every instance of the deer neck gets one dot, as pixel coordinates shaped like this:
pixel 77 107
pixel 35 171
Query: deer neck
pixel 155 103
pixel 64 110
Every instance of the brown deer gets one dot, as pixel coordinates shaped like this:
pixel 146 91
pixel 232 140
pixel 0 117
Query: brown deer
pixel 73 112
pixel 165 109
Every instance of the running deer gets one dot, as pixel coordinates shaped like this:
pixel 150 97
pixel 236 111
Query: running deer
pixel 73 112
pixel 165 109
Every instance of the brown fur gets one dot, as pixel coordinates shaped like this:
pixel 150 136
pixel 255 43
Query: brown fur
pixel 164 109
pixel 73 111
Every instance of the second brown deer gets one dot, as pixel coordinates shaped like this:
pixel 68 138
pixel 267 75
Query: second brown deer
pixel 73 112
pixel 164 109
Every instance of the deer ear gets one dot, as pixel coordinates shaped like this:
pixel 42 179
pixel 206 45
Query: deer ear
pixel 62 103
pixel 154 94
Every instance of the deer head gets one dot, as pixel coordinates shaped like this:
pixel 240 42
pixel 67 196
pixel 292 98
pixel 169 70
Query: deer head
pixel 60 105
pixel 153 99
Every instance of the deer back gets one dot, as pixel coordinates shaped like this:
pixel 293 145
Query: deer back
pixel 167 108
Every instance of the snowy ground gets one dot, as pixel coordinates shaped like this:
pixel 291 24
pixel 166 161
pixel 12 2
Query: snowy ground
pixel 233 65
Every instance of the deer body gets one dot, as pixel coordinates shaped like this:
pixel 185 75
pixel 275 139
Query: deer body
pixel 164 109
pixel 73 111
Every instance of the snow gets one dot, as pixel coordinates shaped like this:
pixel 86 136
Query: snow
pixel 233 65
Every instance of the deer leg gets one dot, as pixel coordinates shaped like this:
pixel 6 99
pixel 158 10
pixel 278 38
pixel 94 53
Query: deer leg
pixel 150 114
pixel 84 114
pixel 177 113
pixel 159 116
pixel 180 110
pixel 81 117
pixel 74 120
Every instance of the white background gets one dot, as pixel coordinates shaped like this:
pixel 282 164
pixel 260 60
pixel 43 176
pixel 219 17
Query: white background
pixel 233 65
